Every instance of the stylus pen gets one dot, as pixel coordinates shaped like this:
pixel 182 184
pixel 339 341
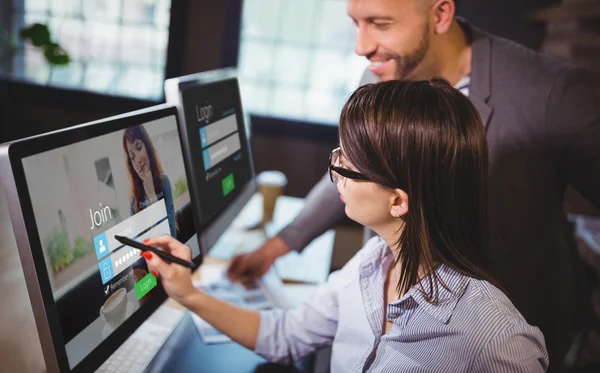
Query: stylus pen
pixel 162 254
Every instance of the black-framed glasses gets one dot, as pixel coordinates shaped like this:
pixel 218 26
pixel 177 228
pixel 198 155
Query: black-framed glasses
pixel 336 171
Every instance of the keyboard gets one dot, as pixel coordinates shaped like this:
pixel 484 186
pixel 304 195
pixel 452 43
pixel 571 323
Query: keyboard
pixel 139 349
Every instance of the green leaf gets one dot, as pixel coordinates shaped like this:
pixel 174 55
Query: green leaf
pixel 37 33
pixel 56 55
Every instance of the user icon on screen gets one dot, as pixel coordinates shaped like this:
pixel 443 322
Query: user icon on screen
pixel 100 242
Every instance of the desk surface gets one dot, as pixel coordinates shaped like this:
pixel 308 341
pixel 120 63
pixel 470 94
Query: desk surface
pixel 24 353
pixel 184 351
pixel 312 266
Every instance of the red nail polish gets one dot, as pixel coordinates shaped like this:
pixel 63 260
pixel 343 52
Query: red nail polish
pixel 146 241
pixel 147 255
pixel 155 274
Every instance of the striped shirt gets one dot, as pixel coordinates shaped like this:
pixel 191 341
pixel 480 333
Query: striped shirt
pixel 474 328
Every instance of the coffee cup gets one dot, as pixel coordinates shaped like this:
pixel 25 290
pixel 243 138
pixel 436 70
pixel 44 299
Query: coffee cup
pixel 271 184
pixel 114 309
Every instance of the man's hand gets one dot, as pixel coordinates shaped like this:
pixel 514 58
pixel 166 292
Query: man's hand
pixel 258 262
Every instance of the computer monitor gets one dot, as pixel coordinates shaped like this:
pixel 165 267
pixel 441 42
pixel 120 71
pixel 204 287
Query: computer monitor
pixel 217 146
pixel 68 193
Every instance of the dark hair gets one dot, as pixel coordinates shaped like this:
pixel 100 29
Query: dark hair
pixel 426 138
pixel 137 186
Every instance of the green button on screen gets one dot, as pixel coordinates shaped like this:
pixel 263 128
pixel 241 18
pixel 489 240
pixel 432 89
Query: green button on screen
pixel 143 286
pixel 228 184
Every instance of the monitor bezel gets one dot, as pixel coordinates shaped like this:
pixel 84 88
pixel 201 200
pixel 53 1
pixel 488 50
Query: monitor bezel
pixel 210 232
pixel 29 242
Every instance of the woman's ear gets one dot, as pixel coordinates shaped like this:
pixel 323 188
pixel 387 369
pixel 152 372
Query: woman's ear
pixel 399 206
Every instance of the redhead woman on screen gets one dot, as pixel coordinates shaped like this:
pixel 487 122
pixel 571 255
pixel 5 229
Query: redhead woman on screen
pixel 148 182
pixel 412 166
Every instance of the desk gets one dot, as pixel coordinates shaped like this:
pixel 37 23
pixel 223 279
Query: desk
pixel 20 349
pixel 184 351
pixel 311 266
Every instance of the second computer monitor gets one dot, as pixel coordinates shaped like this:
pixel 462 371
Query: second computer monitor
pixel 217 148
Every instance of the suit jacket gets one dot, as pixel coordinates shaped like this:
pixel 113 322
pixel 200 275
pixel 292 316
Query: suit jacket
pixel 542 119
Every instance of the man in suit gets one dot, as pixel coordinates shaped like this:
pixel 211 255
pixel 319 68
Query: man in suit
pixel 542 119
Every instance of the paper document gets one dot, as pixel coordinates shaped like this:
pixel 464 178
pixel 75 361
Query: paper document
pixel 312 265
pixel 249 294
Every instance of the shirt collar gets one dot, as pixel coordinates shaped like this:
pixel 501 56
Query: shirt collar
pixel 448 298
pixel 374 258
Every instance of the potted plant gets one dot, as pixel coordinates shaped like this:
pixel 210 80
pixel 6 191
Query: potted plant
pixel 39 36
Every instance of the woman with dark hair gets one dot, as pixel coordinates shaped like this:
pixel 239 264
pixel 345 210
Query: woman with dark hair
pixel 148 182
pixel 412 166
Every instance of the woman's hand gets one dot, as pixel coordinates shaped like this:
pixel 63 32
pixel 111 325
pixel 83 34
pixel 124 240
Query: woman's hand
pixel 176 279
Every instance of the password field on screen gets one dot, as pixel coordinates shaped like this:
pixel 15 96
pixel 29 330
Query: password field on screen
pixel 221 151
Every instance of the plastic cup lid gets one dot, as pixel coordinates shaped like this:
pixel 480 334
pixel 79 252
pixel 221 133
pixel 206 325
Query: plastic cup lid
pixel 271 178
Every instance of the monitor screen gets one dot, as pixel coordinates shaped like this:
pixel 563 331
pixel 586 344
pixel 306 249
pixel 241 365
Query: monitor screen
pixel 132 182
pixel 217 146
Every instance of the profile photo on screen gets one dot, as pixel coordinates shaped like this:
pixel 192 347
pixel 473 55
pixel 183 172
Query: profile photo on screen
pixel 148 182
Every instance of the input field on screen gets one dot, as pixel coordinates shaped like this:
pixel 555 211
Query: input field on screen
pixel 105 243
pixel 221 150
pixel 217 130
pixel 126 256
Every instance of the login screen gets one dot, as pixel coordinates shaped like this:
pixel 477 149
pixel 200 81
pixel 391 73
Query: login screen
pixel 218 144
